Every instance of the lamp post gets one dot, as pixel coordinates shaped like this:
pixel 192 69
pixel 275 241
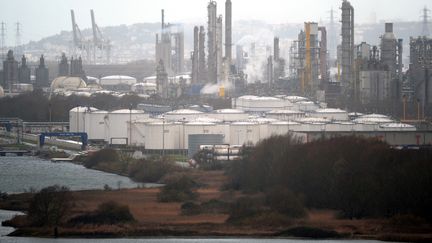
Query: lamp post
pixel 130 124
pixel 163 136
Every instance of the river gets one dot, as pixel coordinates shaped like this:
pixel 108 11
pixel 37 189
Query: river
pixel 19 174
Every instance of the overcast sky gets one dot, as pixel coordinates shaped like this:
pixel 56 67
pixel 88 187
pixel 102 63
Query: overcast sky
pixel 41 18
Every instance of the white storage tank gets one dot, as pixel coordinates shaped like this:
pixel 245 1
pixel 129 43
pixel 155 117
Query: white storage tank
pixel 285 115
pixel 163 135
pixel 397 127
pixel 229 115
pixel 205 127
pixel 144 88
pixel 118 82
pixel 138 131
pixel 244 133
pixel 116 128
pixel 339 127
pixel 331 114
pixel 95 124
pixel 282 127
pixel 77 118
pixel 182 115
pixel 252 103
pixel 312 124
pixel 306 106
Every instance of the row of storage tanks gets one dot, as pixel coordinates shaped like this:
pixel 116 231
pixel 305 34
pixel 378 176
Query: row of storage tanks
pixel 172 130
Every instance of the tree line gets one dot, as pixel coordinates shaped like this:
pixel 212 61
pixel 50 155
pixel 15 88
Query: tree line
pixel 359 177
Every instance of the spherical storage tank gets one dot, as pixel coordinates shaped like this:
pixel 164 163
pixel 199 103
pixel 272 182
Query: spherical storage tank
pixel 67 83
pixel 116 128
pixel 77 118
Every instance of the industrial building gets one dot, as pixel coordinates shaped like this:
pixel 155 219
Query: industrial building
pixel 420 72
pixel 254 119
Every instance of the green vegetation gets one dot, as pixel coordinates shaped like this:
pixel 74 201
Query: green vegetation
pixel 359 177
pixel 36 106
pixel 178 188
pixel 106 213
pixel 50 206
pixel 142 170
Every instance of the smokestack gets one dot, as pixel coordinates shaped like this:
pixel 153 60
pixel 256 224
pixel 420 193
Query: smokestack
pixel 228 31
pixel 389 27
pixel 276 49
pixel 163 19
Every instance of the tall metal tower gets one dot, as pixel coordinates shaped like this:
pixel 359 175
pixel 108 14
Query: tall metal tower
pixel 425 17
pixel 347 47
pixel 333 41
pixel 3 40
pixel 228 31
pixel 18 47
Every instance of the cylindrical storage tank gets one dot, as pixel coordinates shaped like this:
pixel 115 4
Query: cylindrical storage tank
pixel 117 82
pixel 263 126
pixel 331 114
pixel 306 106
pixel 397 127
pixel 229 115
pixel 95 124
pixel 244 133
pixel 77 118
pixel 116 128
pixel 372 124
pixel 196 140
pixel 162 135
pixel 339 127
pixel 182 115
pixel 282 127
pixel 285 115
pixel 202 127
pixel 138 131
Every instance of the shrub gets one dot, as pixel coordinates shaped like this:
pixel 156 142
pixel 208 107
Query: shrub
pixel 106 213
pixel 190 208
pixel 245 207
pixel 285 202
pixel 178 188
pixel 150 170
pixel 50 206
pixel 101 156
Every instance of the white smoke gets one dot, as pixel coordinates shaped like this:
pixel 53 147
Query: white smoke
pixel 257 59
pixel 209 89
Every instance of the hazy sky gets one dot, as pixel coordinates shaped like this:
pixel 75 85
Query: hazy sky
pixel 40 18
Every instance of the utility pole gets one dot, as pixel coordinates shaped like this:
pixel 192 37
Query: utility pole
pixel 3 38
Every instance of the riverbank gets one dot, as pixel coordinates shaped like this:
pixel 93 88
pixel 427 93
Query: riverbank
pixel 166 219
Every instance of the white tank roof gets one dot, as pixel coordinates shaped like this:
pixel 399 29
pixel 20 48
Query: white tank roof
pixel 228 111
pixel 285 112
pixel 373 115
pixel 373 120
pixel 127 111
pixel 330 110
pixel 200 123
pixel 184 111
pixel 84 109
pixel 243 123
pixel 294 98
pixel 397 125
pixel 205 120
pixel 262 120
pixel 313 120
pixel 286 123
